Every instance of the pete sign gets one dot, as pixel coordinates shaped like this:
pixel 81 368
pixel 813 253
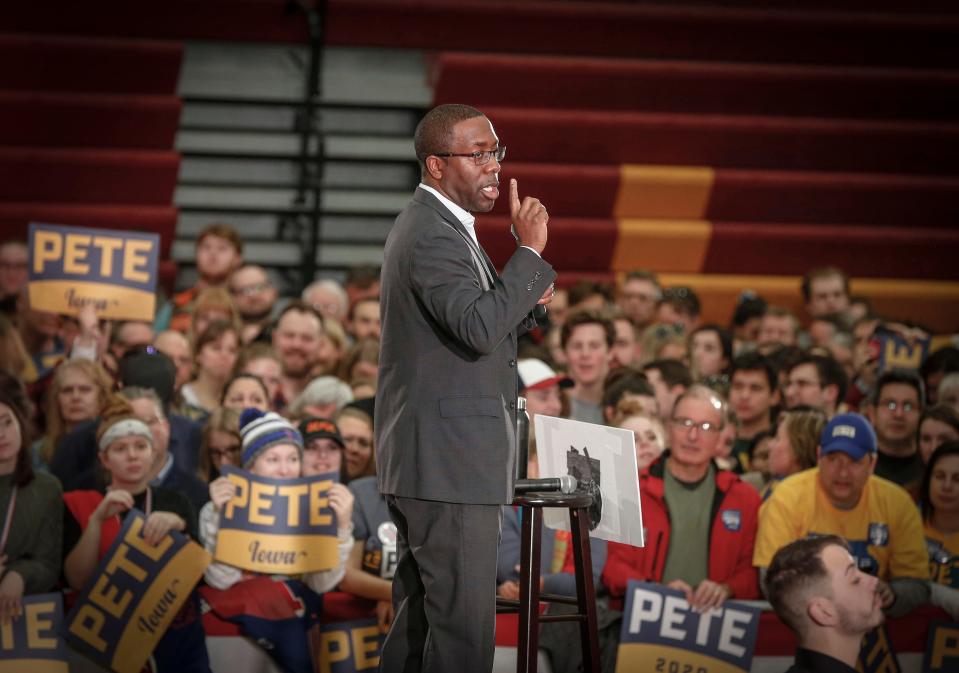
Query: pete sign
pixel 662 633
pixel 350 647
pixel 133 596
pixel 113 271
pixel 278 526
pixel 32 642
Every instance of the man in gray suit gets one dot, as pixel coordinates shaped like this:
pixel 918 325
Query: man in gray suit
pixel 446 404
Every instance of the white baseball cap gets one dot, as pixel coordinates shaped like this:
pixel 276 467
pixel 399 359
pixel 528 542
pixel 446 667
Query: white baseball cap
pixel 535 375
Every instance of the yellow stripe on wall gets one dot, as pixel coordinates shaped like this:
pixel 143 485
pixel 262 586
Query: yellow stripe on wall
pixel 680 192
pixel 662 245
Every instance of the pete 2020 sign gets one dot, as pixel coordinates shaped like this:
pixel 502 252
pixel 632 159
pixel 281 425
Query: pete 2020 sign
pixel 350 647
pixel 32 642
pixel 114 271
pixel 278 526
pixel 662 633
pixel 942 650
pixel 135 593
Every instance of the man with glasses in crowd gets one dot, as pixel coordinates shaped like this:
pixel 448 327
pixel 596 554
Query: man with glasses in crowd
pixel 255 297
pixel 894 409
pixel 446 401
pixel 709 558
pixel 638 296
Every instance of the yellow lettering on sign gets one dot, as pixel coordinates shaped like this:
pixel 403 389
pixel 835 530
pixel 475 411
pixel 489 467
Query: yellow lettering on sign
pixel 108 246
pixel 35 626
pixel 259 502
pixel 364 644
pixel 135 260
pixel 47 247
pixel 119 561
pixel 87 627
pixel 75 250
pixel 293 495
pixel 241 499
pixel 6 636
pixel 319 501
pixel 945 645
pixel 105 596
pixel 334 647
pixel 136 541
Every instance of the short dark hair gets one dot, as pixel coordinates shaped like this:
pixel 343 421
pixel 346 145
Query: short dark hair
pixel 584 289
pixel 683 299
pixel 945 360
pixel 794 567
pixel 755 361
pixel 587 317
pixel 301 306
pixel 830 372
pixel 749 305
pixel 224 231
pixel 434 133
pixel 362 275
pixel 908 377
pixel 643 274
pixel 820 273
pixel 673 372
pixel 631 381
pixel 942 413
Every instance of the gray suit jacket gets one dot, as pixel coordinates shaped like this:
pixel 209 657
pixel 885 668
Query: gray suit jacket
pixel 446 400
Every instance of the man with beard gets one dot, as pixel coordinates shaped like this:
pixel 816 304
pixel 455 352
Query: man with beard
pixel 255 297
pixel 817 591
pixel 446 400
pixel 841 496
pixel 298 339
pixel 894 409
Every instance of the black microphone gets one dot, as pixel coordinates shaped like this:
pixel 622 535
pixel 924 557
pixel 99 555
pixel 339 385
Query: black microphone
pixel 564 484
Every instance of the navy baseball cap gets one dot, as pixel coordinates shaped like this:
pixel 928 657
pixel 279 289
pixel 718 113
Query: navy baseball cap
pixel 850 433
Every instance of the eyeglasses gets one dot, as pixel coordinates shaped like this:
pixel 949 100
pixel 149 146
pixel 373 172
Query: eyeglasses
pixel 687 424
pixel 892 405
pixel 227 452
pixel 480 157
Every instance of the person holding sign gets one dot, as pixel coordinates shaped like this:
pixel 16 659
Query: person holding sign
pixel 708 558
pixel 32 512
pixel 818 590
pixel 273 448
pixel 93 518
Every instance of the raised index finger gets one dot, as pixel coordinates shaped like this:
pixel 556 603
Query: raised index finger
pixel 513 196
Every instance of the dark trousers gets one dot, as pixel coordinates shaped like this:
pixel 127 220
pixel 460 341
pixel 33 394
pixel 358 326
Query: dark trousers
pixel 444 588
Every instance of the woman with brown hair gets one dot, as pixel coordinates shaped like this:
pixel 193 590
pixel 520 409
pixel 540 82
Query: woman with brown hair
pixel 215 353
pixel 356 428
pixel 78 392
pixel 793 448
pixel 32 509
pixel 220 443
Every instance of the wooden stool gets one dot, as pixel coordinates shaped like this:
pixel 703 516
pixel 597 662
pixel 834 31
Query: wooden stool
pixel 531 513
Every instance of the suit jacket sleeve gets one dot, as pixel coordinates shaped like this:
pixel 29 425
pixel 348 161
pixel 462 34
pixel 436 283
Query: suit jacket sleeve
pixel 445 282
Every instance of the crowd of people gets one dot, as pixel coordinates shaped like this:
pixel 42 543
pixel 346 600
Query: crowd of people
pixel 749 436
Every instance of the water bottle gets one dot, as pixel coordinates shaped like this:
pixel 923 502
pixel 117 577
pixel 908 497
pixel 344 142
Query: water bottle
pixel 522 438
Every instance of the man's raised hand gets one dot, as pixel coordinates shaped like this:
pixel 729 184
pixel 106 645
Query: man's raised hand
pixel 529 219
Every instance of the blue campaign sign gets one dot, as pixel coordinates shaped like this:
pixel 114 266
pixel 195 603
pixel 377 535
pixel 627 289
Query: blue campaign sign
pixel 33 642
pixel 895 352
pixel 133 596
pixel 661 632
pixel 350 647
pixel 942 648
pixel 113 271
pixel 278 526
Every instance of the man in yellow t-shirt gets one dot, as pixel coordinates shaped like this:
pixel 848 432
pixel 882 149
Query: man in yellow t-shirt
pixel 842 497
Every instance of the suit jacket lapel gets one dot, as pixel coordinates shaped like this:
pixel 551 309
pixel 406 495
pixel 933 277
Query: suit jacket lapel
pixel 424 197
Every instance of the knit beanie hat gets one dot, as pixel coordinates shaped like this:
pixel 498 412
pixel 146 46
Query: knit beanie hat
pixel 260 430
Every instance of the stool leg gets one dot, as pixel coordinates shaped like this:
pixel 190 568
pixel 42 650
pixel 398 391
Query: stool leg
pixel 526 653
pixel 585 592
